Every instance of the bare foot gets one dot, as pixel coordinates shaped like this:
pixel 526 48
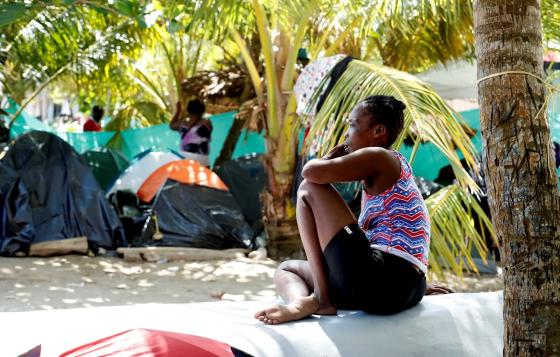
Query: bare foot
pixel 297 310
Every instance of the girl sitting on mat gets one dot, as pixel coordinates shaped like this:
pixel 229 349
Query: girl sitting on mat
pixel 377 263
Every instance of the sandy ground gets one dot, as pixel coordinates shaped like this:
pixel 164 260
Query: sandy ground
pixel 79 281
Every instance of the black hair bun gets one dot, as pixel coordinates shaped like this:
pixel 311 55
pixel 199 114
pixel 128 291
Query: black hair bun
pixel 196 106
pixel 397 104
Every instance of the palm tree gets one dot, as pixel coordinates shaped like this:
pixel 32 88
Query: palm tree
pixel 521 176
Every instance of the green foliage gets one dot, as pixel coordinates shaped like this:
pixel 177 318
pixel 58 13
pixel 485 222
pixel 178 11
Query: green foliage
pixel 55 42
pixel 137 114
pixel 550 10
pixel 134 55
pixel 420 34
pixel 11 13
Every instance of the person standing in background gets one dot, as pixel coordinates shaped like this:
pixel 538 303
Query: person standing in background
pixel 92 124
pixel 195 131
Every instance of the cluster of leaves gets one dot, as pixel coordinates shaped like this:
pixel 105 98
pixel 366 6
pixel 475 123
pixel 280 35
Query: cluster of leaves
pixel 70 42
pixel 550 12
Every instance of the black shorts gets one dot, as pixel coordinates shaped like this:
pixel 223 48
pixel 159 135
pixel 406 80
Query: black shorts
pixel 362 278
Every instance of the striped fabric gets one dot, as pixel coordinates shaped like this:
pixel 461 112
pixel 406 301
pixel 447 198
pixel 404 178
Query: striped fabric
pixel 397 221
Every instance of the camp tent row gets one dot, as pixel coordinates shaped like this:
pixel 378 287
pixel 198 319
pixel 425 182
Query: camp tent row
pixel 49 192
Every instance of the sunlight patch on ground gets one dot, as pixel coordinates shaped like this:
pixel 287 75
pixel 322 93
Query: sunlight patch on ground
pixel 80 281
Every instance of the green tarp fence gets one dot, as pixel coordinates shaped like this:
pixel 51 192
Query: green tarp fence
pixel 132 142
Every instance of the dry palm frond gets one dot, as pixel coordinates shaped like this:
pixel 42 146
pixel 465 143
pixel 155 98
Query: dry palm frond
pixel 207 85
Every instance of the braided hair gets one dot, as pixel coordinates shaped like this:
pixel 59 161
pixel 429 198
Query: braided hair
pixel 388 111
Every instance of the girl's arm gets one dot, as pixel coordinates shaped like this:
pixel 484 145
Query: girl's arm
pixel 175 123
pixel 363 164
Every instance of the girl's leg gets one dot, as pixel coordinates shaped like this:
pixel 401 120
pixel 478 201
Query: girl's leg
pixel 321 213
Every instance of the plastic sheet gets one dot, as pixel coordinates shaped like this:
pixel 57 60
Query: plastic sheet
pixel 197 217
pixel 16 229
pixel 132 213
pixel 65 198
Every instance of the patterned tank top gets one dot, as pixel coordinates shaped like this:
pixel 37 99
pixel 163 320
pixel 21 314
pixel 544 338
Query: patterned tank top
pixel 196 139
pixel 396 221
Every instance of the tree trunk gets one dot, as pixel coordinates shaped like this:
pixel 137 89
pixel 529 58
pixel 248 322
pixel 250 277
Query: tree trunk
pixel 231 141
pixel 279 216
pixel 521 177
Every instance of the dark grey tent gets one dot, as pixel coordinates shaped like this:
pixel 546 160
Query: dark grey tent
pixel 16 229
pixel 245 177
pixel 198 217
pixel 64 197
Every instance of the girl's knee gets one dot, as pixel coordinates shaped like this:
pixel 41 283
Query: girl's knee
pixel 307 188
pixel 303 190
pixel 285 266
pixel 290 266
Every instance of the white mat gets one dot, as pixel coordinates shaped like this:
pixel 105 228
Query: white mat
pixel 444 325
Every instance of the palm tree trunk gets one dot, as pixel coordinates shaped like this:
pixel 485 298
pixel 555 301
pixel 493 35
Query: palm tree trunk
pixel 521 179
pixel 278 210
pixel 279 214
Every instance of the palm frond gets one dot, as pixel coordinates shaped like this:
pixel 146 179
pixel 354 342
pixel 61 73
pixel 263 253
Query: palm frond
pixel 136 115
pixel 249 63
pixel 212 19
pixel 433 119
pixel 454 235
pixel 151 86
pixel 77 38
pixel 413 36
pixel 550 10
pixel 272 85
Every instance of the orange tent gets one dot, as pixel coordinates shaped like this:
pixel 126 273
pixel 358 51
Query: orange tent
pixel 185 171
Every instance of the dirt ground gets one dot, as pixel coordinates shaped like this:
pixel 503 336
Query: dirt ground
pixel 79 281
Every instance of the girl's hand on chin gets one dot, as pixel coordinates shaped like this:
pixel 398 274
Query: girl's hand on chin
pixel 337 151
